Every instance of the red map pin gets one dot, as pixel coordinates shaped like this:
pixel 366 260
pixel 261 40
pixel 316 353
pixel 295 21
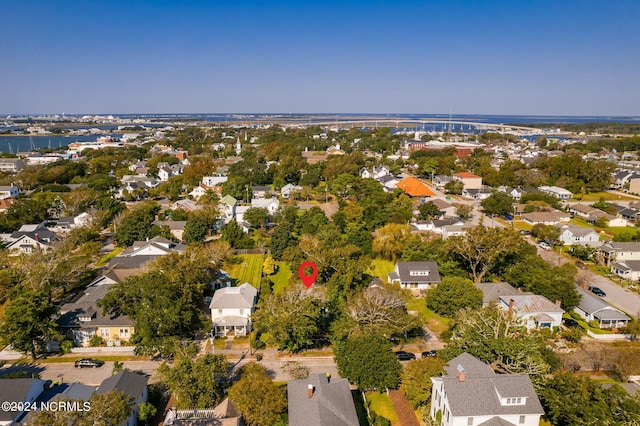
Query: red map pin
pixel 308 280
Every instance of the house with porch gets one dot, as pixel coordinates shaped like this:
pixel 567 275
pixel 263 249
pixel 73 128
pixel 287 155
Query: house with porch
pixel 415 275
pixel 593 308
pixel 627 269
pixel 533 310
pixel 471 393
pixel 619 251
pixel 231 309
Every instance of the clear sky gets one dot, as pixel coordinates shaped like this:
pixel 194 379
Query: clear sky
pixel 552 57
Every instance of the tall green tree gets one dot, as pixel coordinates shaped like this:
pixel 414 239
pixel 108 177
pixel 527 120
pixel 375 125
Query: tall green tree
pixel 416 379
pixel 136 225
pixel 453 294
pixel 368 362
pixel 28 320
pixel 260 400
pixel 199 383
pixel 429 210
pixel 498 203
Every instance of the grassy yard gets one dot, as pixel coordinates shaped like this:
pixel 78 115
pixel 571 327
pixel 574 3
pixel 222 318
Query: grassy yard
pixel 606 196
pixel 435 322
pixel 281 278
pixel 611 231
pixel 107 257
pixel 382 405
pixel 381 268
pixel 249 270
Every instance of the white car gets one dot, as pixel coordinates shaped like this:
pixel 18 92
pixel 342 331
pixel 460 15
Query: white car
pixel 545 246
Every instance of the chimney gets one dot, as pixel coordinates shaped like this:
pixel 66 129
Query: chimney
pixel 558 303
pixel 461 374
pixel 511 303
pixel 310 390
pixel 583 283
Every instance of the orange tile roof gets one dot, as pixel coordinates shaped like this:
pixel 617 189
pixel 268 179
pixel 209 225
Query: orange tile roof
pixel 415 188
pixel 466 175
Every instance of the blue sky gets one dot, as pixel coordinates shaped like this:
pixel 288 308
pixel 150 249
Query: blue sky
pixel 551 57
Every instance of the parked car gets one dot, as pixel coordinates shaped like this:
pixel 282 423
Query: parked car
pixel 525 232
pixel 428 354
pixel 597 291
pixel 405 356
pixel 89 362
pixel 545 246
pixel 570 322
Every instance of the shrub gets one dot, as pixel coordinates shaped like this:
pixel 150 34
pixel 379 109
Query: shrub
pixel 96 341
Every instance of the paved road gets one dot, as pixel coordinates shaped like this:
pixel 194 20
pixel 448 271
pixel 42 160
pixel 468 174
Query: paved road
pixel 617 296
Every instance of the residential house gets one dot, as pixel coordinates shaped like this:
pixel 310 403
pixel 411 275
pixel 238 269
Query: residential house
pixel 622 178
pixel 224 414
pixel 335 150
pixel 449 210
pixel 261 191
pixel 492 292
pixel 578 235
pixel 436 225
pixel 186 205
pixel 376 172
pixel 415 275
pixel 469 180
pixel 477 194
pixel 471 393
pixel 6 203
pixel 627 269
pixel 515 193
pixel 415 188
pixel 166 171
pixel 149 182
pixel 198 191
pixel 592 215
pixel 555 217
pixel 270 204
pixel 133 384
pixel 593 308
pixel 441 180
pixel 228 205
pixel 9 191
pixel 81 318
pixel 321 400
pixel 557 192
pixel 19 393
pixel 29 238
pixel 231 309
pixel 175 226
pixel 74 391
pixel 142 252
pixel 634 184
pixel 449 231
pixel 619 251
pixel 534 310
pixel 389 182
pixel 289 189
pixel 11 165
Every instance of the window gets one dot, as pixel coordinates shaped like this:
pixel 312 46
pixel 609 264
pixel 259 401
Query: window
pixel 418 273
pixel 522 419
pixel 124 332
pixel 241 311
pixel 219 311
pixel 470 421
pixel 104 332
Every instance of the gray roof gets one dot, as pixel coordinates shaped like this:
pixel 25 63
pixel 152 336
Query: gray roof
pixel 86 306
pixel 628 265
pixel 579 231
pixel 620 246
pixel 477 395
pixel 126 381
pixel 404 272
pixel 531 303
pixel 330 405
pixel 16 390
pixel 597 307
pixel 491 292
pixel 243 296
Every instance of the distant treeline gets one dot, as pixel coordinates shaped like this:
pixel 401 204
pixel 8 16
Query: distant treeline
pixel 601 128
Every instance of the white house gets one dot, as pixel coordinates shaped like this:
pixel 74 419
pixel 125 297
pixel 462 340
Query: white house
pixel 228 204
pixel 557 192
pixel 578 235
pixel 376 172
pixel 593 308
pixel 287 190
pixel 10 191
pixel 627 269
pixel 620 251
pixel 534 310
pixel 271 204
pixel 231 309
pixel 415 275
pixel 470 394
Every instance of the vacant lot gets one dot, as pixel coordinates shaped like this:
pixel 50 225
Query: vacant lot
pixel 249 270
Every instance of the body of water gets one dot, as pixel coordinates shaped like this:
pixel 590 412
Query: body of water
pixel 17 144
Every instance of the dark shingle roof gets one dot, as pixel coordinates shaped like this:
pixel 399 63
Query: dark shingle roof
pixel 404 272
pixel 330 405
pixel 125 381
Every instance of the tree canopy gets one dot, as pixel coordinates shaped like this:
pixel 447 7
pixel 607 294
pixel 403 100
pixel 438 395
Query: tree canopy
pixel 452 294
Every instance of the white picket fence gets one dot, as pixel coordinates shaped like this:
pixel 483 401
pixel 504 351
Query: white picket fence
pixel 103 349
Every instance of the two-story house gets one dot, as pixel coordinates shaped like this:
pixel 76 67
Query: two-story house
pixel 415 275
pixel 231 309
pixel 133 384
pixel 619 251
pixel 10 191
pixel 578 235
pixel 469 180
pixel 470 393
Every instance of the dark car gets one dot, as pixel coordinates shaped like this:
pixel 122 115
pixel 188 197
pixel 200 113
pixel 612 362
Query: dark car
pixel 428 354
pixel 570 322
pixel 89 362
pixel 405 356
pixel 597 291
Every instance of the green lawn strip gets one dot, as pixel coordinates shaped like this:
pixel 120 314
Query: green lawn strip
pixel 382 405
pixel 249 270
pixel 281 278
pixel 107 257
pixel 611 231
pixel 435 322
pixel 596 196
pixel 381 268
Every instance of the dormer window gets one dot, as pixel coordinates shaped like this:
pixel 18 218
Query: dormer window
pixel 514 401
pixel 418 273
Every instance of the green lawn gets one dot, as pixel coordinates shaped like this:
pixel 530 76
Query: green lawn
pixel 107 257
pixel 281 278
pixel 611 231
pixel 380 268
pixel 382 405
pixel 249 270
pixel 596 196
pixel 435 322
